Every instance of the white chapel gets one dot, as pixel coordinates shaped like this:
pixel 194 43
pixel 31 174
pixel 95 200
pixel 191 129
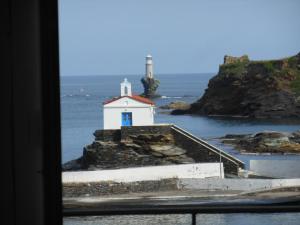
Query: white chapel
pixel 127 109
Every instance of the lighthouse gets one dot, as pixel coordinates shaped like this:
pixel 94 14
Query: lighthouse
pixel 149 82
pixel 149 67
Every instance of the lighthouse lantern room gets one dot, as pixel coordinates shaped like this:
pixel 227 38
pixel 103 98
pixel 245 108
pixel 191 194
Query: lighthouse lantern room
pixel 127 109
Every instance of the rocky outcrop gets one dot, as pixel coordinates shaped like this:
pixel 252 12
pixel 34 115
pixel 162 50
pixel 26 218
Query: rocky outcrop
pixel 150 87
pixel 265 142
pixel 137 150
pixel 136 146
pixel 231 59
pixel 176 105
pixel 258 89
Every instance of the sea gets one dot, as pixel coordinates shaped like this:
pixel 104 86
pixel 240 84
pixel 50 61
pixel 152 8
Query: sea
pixel 82 113
pixel 185 219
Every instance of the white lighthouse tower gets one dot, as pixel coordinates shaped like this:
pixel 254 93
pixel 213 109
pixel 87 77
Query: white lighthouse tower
pixel 149 67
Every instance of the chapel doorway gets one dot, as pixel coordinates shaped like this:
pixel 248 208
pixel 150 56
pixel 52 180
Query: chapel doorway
pixel 126 119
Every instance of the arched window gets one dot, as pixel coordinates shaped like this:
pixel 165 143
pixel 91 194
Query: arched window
pixel 126 90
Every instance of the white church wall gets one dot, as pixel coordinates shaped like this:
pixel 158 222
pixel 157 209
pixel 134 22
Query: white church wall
pixel 140 116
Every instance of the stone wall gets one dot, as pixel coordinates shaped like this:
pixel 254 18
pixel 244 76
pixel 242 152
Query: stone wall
pixel 110 188
pixel 201 153
pixel 135 130
pixel 107 135
pixel 238 184
pixel 208 184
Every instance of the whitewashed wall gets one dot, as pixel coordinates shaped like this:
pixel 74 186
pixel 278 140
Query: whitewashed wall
pixel 197 170
pixel 276 168
pixel 142 114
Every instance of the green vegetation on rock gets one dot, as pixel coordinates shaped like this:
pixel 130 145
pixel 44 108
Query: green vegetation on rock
pixel 269 66
pixel 259 89
pixel 233 68
pixel 295 84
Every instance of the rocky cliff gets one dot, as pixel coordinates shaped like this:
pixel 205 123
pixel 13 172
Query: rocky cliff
pixel 258 89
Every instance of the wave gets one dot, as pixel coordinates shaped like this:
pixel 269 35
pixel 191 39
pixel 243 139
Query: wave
pixel 75 95
pixel 109 97
pixel 184 96
pixel 171 96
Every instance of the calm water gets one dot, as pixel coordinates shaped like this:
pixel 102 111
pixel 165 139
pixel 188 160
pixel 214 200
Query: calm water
pixel 202 219
pixel 81 105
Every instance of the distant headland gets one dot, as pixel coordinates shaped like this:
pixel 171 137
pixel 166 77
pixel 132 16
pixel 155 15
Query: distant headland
pixel 256 89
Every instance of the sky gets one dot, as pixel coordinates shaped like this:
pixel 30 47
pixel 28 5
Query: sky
pixel 112 37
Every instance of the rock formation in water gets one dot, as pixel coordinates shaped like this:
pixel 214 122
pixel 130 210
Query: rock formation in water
pixel 258 89
pixel 150 86
pixel 265 142
pixel 181 105
pixel 149 82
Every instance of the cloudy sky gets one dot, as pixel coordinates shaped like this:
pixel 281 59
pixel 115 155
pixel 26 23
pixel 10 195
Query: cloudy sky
pixel 106 37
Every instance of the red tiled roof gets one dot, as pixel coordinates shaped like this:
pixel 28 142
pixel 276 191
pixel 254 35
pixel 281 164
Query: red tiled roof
pixel 142 99
pixel 134 97
pixel 111 100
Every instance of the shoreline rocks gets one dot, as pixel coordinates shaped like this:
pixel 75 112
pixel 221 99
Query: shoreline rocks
pixel 177 107
pixel 255 89
pixel 139 150
pixel 265 142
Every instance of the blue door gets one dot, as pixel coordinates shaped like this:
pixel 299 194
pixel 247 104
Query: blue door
pixel 126 119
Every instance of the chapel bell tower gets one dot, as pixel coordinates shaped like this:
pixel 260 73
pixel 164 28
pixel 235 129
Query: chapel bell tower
pixel 126 88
